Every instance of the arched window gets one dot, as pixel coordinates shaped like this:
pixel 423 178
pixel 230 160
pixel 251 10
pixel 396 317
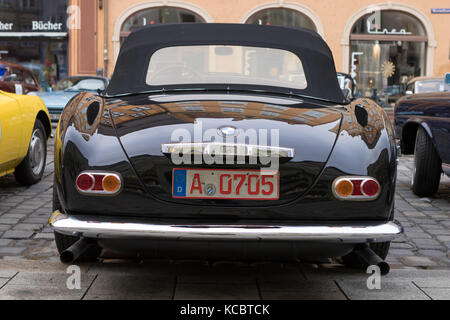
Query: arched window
pixel 387 49
pixel 158 15
pixel 282 17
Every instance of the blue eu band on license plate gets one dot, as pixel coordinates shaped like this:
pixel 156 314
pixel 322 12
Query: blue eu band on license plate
pixel 179 183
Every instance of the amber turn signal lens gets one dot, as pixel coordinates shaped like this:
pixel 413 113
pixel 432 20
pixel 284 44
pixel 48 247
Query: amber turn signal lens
pixel 344 188
pixel 111 183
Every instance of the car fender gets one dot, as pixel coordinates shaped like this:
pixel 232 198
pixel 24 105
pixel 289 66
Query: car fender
pixel 422 123
pixel 416 122
pixel 31 109
pixel 365 150
pixel 78 137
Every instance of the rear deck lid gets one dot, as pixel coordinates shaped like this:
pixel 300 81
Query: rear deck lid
pixel 304 134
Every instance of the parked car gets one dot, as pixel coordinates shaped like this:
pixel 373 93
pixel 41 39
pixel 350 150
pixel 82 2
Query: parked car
pixel 38 71
pixel 425 85
pixel 66 89
pixel 24 131
pixel 15 78
pixel 423 126
pixel 129 177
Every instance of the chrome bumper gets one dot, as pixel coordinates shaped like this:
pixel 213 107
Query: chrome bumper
pixel 103 228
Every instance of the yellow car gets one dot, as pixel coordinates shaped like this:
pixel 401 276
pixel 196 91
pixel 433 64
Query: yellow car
pixel 25 128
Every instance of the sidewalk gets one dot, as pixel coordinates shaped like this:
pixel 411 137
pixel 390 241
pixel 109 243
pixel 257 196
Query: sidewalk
pixel 163 280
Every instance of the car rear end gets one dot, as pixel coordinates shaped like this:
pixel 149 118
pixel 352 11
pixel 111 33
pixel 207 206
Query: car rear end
pixel 131 194
pixel 227 157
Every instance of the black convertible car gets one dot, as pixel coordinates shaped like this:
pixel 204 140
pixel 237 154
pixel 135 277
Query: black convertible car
pixel 225 141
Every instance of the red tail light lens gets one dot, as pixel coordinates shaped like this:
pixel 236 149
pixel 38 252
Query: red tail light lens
pixel 371 188
pixel 99 183
pixel 85 182
pixel 356 188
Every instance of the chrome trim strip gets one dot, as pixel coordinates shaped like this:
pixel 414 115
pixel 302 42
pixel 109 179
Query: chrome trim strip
pixel 243 150
pixel 101 228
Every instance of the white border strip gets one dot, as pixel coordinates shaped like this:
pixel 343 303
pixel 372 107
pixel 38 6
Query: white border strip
pixel 33 34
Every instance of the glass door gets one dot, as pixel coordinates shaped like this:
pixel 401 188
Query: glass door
pixel 383 68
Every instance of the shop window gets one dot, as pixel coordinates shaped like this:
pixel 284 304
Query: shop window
pixel 160 15
pixel 33 33
pixel 387 51
pixel 282 17
pixel 46 58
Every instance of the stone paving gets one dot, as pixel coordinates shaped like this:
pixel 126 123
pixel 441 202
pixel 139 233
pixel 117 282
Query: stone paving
pixel 165 280
pixel 29 265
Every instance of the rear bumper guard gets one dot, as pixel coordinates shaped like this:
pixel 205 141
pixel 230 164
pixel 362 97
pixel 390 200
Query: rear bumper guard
pixel 104 228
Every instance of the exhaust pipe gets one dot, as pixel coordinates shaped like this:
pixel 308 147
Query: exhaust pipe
pixel 75 251
pixel 372 259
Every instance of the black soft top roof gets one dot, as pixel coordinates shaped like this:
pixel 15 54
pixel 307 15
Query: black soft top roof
pixel 132 64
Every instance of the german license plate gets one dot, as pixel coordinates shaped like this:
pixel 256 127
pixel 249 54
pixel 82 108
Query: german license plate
pixel 226 184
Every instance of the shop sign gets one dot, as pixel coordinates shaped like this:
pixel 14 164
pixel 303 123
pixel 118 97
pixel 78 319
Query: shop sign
pixel 35 16
pixel 46 26
pixel 374 26
pixel 440 10
pixel 35 26
pixel 6 26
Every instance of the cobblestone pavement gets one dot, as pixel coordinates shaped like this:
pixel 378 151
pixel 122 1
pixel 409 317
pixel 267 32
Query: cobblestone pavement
pixel 26 240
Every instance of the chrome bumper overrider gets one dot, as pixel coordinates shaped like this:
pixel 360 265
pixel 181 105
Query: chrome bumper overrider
pixel 102 228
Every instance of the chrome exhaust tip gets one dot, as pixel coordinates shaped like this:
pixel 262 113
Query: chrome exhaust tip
pixel 75 251
pixel 372 259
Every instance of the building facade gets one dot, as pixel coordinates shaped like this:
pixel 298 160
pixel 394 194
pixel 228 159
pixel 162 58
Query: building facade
pixel 34 33
pixel 382 44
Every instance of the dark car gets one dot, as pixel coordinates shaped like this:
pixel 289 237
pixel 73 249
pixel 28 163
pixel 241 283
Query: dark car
pixel 225 141
pixel 423 126
pixel 425 85
pixel 15 78
pixel 66 89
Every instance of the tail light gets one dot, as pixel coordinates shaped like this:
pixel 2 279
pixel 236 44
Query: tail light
pixel 99 183
pixel 356 188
